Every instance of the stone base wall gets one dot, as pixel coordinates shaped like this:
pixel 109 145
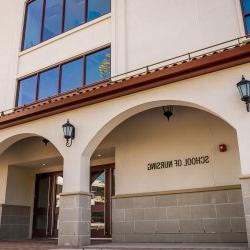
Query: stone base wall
pixel 245 184
pixel 74 220
pixel 15 222
pixel 211 216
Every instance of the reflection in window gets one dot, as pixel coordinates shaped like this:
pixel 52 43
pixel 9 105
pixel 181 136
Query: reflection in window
pixel 77 7
pixel 48 83
pixel 98 66
pixel 48 18
pixel 246 14
pixel 32 33
pixel 97 8
pixel 65 77
pixel 53 18
pixel 27 91
pixel 72 75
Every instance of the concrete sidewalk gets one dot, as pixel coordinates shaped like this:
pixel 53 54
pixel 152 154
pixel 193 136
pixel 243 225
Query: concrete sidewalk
pixel 149 246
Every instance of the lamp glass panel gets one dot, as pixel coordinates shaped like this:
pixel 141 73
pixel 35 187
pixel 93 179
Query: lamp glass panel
pixel 243 89
pixel 248 89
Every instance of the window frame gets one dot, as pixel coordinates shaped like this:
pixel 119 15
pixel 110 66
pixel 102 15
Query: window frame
pixel 59 85
pixel 245 15
pixel 41 40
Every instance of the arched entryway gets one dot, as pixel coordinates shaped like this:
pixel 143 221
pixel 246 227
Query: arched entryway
pixel 176 180
pixel 31 180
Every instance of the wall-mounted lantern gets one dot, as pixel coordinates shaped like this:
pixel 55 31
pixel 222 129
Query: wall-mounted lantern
pixel 168 111
pixel 244 89
pixel 69 133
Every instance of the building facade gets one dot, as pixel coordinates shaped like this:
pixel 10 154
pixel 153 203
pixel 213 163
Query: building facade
pixel 159 148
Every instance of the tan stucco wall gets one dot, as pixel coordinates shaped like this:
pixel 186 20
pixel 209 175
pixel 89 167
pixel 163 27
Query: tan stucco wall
pixel 215 92
pixel 148 137
pixel 3 181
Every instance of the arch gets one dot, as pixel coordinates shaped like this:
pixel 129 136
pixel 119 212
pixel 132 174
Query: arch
pixel 9 141
pixel 124 115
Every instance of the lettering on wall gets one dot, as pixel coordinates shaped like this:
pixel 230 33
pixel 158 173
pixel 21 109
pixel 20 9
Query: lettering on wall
pixel 191 161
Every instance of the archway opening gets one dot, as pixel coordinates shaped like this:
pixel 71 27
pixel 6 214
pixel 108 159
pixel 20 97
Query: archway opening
pixel 175 181
pixel 31 169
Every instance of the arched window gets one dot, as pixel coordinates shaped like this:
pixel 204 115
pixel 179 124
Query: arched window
pixel 246 14
pixel 45 19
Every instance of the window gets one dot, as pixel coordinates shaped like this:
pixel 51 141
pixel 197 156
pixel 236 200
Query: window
pixel 77 7
pixel 98 66
pixel 48 83
pixel 85 70
pixel 52 19
pixel 246 14
pixel 97 8
pixel 72 75
pixel 48 18
pixel 32 32
pixel 27 91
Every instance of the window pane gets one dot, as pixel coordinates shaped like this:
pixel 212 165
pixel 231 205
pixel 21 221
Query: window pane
pixel 72 75
pixel 248 24
pixel 246 6
pixel 27 91
pixel 98 66
pixel 48 83
pixel 53 18
pixel 97 8
pixel 74 13
pixel 33 24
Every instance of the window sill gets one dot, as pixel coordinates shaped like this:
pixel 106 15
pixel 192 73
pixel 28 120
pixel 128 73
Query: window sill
pixel 65 34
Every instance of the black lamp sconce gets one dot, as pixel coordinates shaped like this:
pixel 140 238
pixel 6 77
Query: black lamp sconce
pixel 45 141
pixel 244 89
pixel 69 133
pixel 168 111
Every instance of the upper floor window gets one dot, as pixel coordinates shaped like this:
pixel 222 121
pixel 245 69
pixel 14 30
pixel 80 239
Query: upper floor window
pixel 83 71
pixel 48 18
pixel 246 14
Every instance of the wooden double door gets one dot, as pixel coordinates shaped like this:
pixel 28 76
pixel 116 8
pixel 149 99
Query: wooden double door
pixel 47 198
pixel 46 205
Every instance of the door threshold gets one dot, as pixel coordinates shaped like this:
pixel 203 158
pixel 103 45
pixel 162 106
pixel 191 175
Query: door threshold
pixel 101 238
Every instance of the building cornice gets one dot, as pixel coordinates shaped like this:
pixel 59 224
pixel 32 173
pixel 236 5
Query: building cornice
pixel 175 72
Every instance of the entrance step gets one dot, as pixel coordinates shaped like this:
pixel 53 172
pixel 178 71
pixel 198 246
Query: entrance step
pixel 170 246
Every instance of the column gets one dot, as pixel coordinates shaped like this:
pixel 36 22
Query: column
pixel 75 206
pixel 244 153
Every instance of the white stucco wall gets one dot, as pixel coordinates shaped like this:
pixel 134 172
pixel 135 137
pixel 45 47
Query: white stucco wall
pixel 148 137
pixel 141 32
pixel 146 31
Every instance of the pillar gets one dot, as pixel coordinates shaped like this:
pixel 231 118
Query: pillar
pixel 244 149
pixel 75 206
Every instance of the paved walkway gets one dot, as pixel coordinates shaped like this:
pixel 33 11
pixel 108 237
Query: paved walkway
pixel 169 246
pixel 28 245
pixel 50 245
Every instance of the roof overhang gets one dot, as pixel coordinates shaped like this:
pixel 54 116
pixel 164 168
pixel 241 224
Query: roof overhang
pixel 185 69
